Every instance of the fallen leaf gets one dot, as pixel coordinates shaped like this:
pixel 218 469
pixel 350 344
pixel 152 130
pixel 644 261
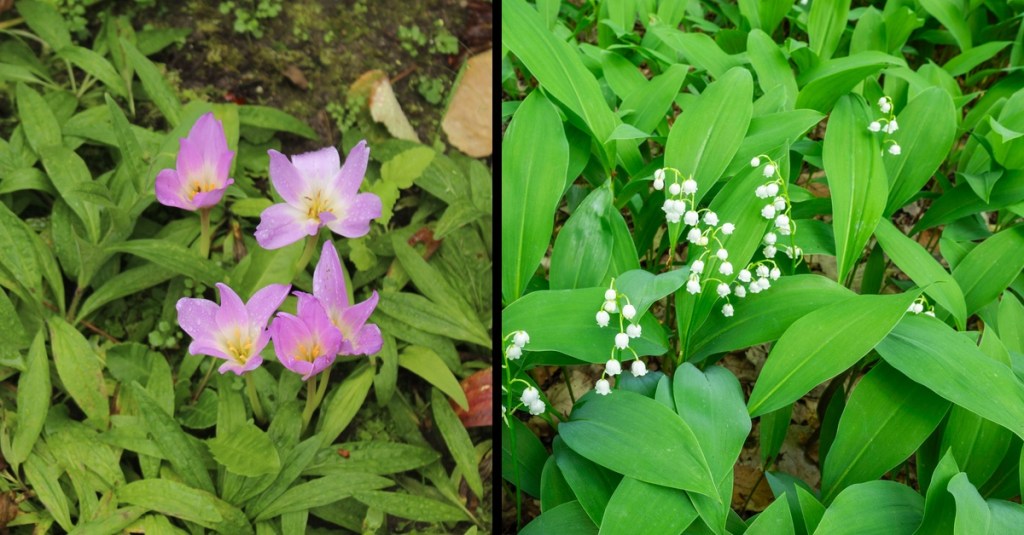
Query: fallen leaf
pixel 295 75
pixel 468 122
pixel 478 388
pixel 384 107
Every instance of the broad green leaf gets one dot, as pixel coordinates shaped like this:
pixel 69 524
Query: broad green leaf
pixel 609 430
pixel 869 34
pixel 674 510
pixel 274 119
pixel 128 282
pixel 950 364
pixel 68 171
pixel 374 457
pixel 926 133
pixel 990 267
pixel 522 464
pixel 534 159
pixel 425 363
pixel 825 26
pixel 923 269
pixel 564 321
pixel 116 521
pixel 457 439
pixel 770 64
pixel 566 519
pixel 764 14
pixel 153 82
pixel 644 288
pixel 42 477
pixel 558 68
pixel 953 17
pixel 961 201
pixel 80 371
pixel 37 120
pixel 554 489
pixel 886 419
pixel 811 510
pixel 174 257
pixel 823 85
pixel 765 316
pixel 939 507
pixel 697 49
pixel 33 401
pixel 341 405
pixel 181 501
pixel 856 180
pixel 769 132
pixel 1006 516
pixel 972 513
pixel 776 519
pixel 711 403
pixel 875 507
pixel 183 452
pixel 590 483
pixel 294 462
pixel 44 19
pixel 969 59
pixel 246 451
pixel 583 248
pixel 1011 316
pixel 19 255
pixel 95 65
pixel 322 491
pixel 652 101
pixel 823 344
pixel 410 506
pixel 772 432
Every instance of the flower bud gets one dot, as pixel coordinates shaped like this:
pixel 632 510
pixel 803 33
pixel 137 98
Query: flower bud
pixel 659 175
pixel 674 189
pixel 609 295
pixel 609 307
pixel 755 162
pixel 659 184
pixel 727 310
pixel 628 312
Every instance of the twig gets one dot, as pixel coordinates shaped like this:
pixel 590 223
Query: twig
pixel 85 324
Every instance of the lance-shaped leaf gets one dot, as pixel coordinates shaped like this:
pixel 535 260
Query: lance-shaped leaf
pixel 927 129
pixel 990 267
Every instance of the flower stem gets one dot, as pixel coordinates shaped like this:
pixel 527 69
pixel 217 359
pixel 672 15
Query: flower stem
pixel 204 232
pixel 254 399
pixel 314 395
pixel 202 384
pixel 307 254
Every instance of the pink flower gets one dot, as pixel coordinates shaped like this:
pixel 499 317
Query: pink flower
pixel 306 342
pixel 202 168
pixel 329 289
pixel 233 331
pixel 318 191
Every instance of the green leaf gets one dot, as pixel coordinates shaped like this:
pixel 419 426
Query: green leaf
pixel 590 483
pixel 776 519
pixel 675 512
pixel 457 439
pixel 972 513
pixel 421 313
pixel 651 101
pixel 425 363
pixel 823 85
pixel 322 491
pixel 33 401
pixel 771 66
pixel 555 489
pixel 968 60
pixel 80 371
pixel 886 420
pixel 609 430
pixel 128 282
pixel 927 130
pixel 856 180
pixel 181 501
pixel 990 267
pixel 374 457
pixel 342 404
pixel 153 81
pixel 644 288
pixel 97 66
pixel 274 119
pixel 68 173
pixel 825 26
pixel 823 344
pixel 564 321
pixel 174 257
pixel 875 507
pixel 46 22
pixel 711 403
pixel 949 364
pixel 184 453
pixel 19 254
pixel 697 49
pixel 246 451
pixel 37 120
pixel 566 519
pixel 923 269
pixel 939 507
pixel 558 68
pixel 953 17
pixel 523 464
pixel 583 248
pixel 410 506
pixel 43 478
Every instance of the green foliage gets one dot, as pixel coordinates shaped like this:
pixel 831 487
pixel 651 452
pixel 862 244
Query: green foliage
pixel 866 160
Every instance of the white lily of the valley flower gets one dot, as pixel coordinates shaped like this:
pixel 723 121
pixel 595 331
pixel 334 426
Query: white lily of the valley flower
pixel 875 126
pixel 769 251
pixel 892 127
pixel 762 271
pixel 530 395
pixel 775 274
pixel 689 186
pixel 763 283
pixel 772 189
pixel 521 338
pixel 638 368
pixel 779 203
pixel 634 330
pixel 674 188
pixel 739 291
pixel 723 289
pixel 679 206
pixel 513 352
pixel 728 228
pixel 782 222
pixel 727 310
pixel 697 267
pixel 744 275
pixel 769 171
pixel 613 367
pixel 930 313
pixel 602 387
pixel 672 217
pixel 693 286
pixel 703 241
pixel 894 149
pixel 622 340
pixel 755 288
pixel 768 212
pixel 537 408
pixel 884 105
pixel 628 312
pixel 722 254
pixel 761 192
pixel 755 162
pixel 691 218
pixel 609 294
pixel 770 238
pixel 659 183
pixel 610 307
pixel 602 318
pixel 711 218
pixel 693 236
pixel 725 268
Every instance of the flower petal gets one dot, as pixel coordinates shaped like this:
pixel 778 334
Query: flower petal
pixel 319 365
pixel 264 302
pixel 311 312
pixel 197 317
pixel 352 173
pixel 169 190
pixel 367 342
pixel 232 366
pixel 329 281
pixel 232 312
pixel 318 168
pixel 207 135
pixel 205 347
pixel 206 199
pixel 356 221
pixel 283 224
pixel 286 178
pixel 353 318
pixel 288 333
pixel 223 168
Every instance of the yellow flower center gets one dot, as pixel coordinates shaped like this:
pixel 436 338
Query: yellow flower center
pixel 308 354
pixel 239 346
pixel 195 187
pixel 317 205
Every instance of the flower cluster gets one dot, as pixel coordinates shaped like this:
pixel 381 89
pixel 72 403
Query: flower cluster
pixel 530 398
pixel 886 124
pixel 918 307
pixel 680 202
pixel 626 332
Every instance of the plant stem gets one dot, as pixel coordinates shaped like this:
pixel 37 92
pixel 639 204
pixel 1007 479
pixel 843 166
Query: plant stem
pixel 254 399
pixel 314 395
pixel 204 232
pixel 307 253
pixel 202 384
pixel 512 440
pixel 75 300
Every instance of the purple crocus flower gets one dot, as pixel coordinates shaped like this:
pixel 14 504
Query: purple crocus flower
pixel 232 331
pixel 305 342
pixel 318 191
pixel 329 289
pixel 202 168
